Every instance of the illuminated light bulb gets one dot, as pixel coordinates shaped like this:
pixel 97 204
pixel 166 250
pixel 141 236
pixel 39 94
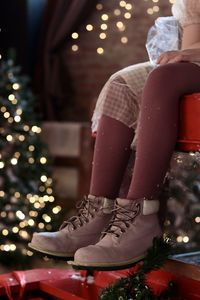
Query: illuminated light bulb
pixel 3 109
pixel 31 222
pixel 186 239
pixel 89 27
pixel 122 3
pixel 14 161
pixel 155 1
pixel 43 178
pixel 31 160
pixel 32 199
pixel 102 35
pixel 156 8
pixel 13 247
pixel 26 128
pixel 15 229
pixel 19 111
pixel 29 253
pixel 37 205
pixel 17 154
pixel 74 48
pixel 20 215
pixel 14 101
pixel 11 97
pixel 51 199
pixel 99 6
pixel 39 130
pixel 6 248
pixel 41 225
pixel 119 24
pixel 15 86
pixel 100 50
pixel 104 17
pixel 75 35
pixel 2 193
pixel 33 213
pixel 17 119
pixel 127 15
pixel 41 200
pixel 117 12
pixel 56 209
pixel 22 224
pixel 23 234
pixel 17 194
pixel 48 227
pixel 0 56
pixel 42 188
pixel 9 138
pixel 6 114
pixel 34 128
pixel 150 11
pixel 1 164
pixel 45 198
pixel 49 181
pixel 3 214
pixel 124 40
pixel 46 218
pixel 31 148
pixel 43 160
pixel 10 120
pixel 179 239
pixel 104 26
pixel 128 6
pixel 197 219
pixel 5 232
pixel 49 191
pixel 21 138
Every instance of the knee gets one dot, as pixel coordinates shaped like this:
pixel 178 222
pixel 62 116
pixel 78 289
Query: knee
pixel 163 75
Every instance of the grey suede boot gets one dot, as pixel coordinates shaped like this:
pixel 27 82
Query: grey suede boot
pixel 129 235
pixel 85 229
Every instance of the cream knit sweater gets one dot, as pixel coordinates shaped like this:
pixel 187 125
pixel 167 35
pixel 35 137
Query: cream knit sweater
pixel 187 12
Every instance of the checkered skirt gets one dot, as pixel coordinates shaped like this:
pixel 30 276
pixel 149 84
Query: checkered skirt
pixel 121 96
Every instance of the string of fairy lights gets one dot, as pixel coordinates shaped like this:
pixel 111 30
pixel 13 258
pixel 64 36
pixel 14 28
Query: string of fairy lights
pixel 123 13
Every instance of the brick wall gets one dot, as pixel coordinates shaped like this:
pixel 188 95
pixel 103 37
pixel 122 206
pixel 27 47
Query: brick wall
pixel 90 70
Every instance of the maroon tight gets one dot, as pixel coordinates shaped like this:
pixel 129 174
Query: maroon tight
pixel 157 135
pixel 111 155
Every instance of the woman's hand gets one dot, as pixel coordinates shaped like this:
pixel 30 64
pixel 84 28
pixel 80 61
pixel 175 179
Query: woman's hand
pixel 188 55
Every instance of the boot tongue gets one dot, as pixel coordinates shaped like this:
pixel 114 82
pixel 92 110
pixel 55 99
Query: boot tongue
pixel 126 203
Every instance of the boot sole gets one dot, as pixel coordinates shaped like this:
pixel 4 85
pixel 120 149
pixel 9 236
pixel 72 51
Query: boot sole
pixel 106 266
pixel 49 254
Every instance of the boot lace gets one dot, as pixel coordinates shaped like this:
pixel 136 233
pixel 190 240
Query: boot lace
pixel 86 209
pixel 121 220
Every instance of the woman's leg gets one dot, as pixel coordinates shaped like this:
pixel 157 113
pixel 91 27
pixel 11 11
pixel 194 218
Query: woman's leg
pixel 111 155
pixel 157 132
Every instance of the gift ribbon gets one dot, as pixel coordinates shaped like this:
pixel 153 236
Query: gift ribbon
pixel 21 279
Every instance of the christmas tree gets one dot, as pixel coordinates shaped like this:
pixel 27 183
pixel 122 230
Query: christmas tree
pixel 26 194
